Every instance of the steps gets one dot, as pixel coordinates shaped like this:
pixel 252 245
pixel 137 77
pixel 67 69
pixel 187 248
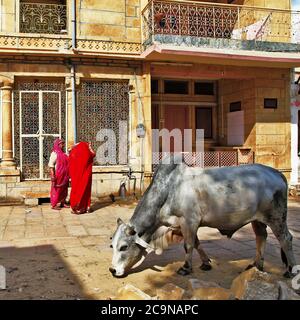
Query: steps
pixel 32 191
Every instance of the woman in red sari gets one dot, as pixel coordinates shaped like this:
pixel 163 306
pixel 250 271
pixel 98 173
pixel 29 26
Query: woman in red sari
pixel 59 172
pixel 81 163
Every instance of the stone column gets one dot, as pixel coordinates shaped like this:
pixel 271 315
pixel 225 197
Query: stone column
pixel 7 132
pixel 70 131
pixel 147 117
pixel 69 100
pixel 8 171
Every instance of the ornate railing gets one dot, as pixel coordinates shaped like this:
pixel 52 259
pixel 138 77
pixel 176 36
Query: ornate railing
pixel 42 18
pixel 211 159
pixel 206 20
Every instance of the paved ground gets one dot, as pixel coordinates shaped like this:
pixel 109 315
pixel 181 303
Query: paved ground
pixel 57 255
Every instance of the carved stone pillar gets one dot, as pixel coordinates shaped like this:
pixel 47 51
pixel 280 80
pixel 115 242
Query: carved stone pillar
pixel 7 132
pixel 8 171
pixel 70 130
pixel 69 101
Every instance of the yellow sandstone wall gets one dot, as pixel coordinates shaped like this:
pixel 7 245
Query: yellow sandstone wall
pixel 233 91
pixel 267 131
pixel 273 145
pixel 117 20
pixel 8 16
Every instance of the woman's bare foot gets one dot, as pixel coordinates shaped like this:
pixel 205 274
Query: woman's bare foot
pixel 55 208
pixel 77 211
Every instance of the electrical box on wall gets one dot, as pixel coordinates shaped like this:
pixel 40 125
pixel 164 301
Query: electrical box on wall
pixel 140 130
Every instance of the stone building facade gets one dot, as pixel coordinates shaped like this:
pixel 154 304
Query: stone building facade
pixel 70 68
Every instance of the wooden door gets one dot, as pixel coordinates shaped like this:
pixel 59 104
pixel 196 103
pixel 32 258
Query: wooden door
pixel 176 117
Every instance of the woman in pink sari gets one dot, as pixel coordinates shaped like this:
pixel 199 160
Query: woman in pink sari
pixel 59 172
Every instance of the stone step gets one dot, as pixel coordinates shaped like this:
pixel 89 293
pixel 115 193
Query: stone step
pixel 33 184
pixel 31 198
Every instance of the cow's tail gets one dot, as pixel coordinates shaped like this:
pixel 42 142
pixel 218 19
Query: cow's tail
pixel 284 258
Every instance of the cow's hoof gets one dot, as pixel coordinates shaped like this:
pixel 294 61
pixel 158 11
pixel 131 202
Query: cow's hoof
pixel 288 275
pixel 205 267
pixel 183 271
pixel 250 267
pixel 259 267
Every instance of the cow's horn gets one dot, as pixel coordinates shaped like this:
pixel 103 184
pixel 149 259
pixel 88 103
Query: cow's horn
pixel 119 221
pixel 130 231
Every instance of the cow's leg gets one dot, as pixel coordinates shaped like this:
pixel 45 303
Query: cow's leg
pixel 189 235
pixel 277 221
pixel 261 234
pixel 203 256
pixel 285 238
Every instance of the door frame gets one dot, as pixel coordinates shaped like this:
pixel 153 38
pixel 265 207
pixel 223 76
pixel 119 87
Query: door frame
pixel 40 134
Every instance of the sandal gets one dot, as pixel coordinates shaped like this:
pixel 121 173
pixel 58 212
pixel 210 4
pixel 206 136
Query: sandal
pixel 55 208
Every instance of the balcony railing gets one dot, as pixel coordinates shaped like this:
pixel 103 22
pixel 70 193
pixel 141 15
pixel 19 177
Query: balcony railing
pixel 43 18
pixel 205 20
pixel 211 159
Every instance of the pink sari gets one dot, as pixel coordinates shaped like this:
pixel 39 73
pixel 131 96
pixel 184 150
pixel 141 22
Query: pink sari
pixel 59 190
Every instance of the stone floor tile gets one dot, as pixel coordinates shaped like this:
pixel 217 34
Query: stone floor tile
pixel 76 231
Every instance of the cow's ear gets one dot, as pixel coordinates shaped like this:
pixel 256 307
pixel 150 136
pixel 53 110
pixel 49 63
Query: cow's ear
pixel 130 231
pixel 120 221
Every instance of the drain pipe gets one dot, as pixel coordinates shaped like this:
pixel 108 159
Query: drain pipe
pixel 73 73
pixel 73 21
pixel 73 90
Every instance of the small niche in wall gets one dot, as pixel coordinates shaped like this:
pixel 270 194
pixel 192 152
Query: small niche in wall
pixel 270 103
pixel 235 106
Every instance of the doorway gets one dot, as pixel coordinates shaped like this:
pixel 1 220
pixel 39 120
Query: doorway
pixel 176 117
pixel 40 123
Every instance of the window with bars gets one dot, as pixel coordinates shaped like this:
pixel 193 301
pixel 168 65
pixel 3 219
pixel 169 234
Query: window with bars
pixel 47 17
pixel 104 105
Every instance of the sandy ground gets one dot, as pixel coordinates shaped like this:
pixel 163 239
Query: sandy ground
pixel 61 256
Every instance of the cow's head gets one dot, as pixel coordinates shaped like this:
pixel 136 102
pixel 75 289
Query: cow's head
pixel 127 249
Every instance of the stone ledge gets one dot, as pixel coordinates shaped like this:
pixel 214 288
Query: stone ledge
pixel 36 194
pixel 111 169
pixel 9 172
pixel 224 43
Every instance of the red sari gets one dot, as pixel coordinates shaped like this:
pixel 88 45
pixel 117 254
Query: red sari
pixel 81 163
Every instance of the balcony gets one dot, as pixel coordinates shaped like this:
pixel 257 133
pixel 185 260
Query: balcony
pixel 43 28
pixel 201 24
pixel 211 159
pixel 43 18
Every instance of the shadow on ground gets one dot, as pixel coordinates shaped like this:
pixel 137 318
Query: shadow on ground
pixel 38 272
pixel 226 264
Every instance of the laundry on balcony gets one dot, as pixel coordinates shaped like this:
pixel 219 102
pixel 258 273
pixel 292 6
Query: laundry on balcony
pixel 253 31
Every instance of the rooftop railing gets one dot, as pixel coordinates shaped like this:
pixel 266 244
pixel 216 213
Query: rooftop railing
pixel 206 20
